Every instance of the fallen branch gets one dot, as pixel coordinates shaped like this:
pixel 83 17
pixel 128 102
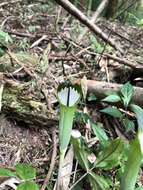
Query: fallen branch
pixel 99 10
pixel 101 89
pixel 84 20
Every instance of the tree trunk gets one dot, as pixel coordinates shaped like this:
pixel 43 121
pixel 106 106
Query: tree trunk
pixel 111 9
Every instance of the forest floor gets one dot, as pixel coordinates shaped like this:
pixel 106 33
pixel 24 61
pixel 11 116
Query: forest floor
pixel 49 37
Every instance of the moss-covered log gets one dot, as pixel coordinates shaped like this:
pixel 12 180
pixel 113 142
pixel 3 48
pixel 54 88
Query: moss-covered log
pixel 22 97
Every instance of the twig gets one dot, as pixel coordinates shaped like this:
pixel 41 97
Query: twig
pixel 1 93
pixel 9 2
pixel 37 42
pixel 53 159
pixel 83 19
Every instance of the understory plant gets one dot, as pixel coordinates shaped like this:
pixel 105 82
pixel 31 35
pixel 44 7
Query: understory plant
pixel 68 96
pixel 135 153
pixel 112 155
pixel 21 178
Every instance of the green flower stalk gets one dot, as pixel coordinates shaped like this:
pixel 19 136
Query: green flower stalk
pixel 68 96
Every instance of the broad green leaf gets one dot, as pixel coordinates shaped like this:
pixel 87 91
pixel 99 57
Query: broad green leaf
pixel 25 172
pixel 111 156
pixel 127 92
pixel 6 173
pixel 112 98
pixel 100 133
pixel 132 166
pixel 112 111
pixel 29 185
pixel 139 188
pixel 99 182
pixel 129 125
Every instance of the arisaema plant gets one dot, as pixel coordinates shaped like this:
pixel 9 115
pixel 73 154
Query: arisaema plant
pixel 68 96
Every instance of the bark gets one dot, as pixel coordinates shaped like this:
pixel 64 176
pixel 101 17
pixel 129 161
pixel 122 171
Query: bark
pixel 101 89
pixel 19 107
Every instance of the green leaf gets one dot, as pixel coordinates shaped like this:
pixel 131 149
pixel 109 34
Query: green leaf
pixel 25 172
pixel 139 188
pixel 5 38
pixel 92 97
pixel 112 111
pixel 81 117
pixel 100 133
pixel 129 125
pixel 99 182
pixel 111 156
pixel 6 173
pixel 29 185
pixel 80 152
pixel 132 166
pixel 112 98
pixel 139 115
pixel 127 92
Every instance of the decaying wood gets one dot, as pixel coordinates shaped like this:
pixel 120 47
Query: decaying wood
pixel 102 89
pixel 17 104
pixel 83 19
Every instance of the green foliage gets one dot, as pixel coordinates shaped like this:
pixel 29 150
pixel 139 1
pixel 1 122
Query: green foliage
pixel 100 133
pixel 126 93
pixel 111 156
pixel 124 97
pixel 5 40
pixel 99 182
pixel 112 111
pixel 132 166
pixel 28 185
pixel 6 173
pixel 25 173
pixel 129 125
pixel 95 45
pixel 108 158
pixel 112 98
pixel 81 152
pixel 136 17
pixel 92 97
